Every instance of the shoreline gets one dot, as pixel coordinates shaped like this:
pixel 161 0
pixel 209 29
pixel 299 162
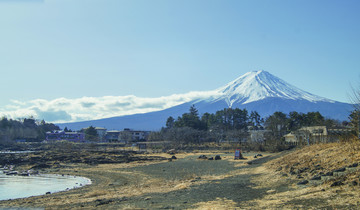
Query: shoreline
pixel 49 179
pixel 158 181
pixel 128 185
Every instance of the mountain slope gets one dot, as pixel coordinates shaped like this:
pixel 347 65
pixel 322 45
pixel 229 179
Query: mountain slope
pixel 258 85
pixel 255 91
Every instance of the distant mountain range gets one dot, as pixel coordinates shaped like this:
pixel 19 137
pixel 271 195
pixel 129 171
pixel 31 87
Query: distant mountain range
pixel 255 91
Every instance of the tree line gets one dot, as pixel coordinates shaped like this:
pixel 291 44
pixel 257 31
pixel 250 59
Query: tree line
pixel 226 119
pixel 27 129
pixel 233 124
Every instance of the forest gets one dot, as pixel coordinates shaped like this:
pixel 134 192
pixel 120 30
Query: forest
pixel 233 125
pixel 27 129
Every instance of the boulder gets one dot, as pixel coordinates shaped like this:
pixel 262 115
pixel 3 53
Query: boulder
pixel 317 177
pixel 303 182
pixel 329 173
pixel 217 157
pixel 12 173
pixel 353 165
pixel 24 173
pixel 340 170
pixel 202 157
pixel 337 183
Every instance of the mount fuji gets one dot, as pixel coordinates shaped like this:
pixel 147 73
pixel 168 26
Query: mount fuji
pixel 255 91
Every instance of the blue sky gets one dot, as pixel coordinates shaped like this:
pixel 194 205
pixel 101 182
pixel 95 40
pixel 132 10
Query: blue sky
pixel 56 52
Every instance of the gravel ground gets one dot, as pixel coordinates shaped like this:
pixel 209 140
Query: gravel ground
pixel 236 188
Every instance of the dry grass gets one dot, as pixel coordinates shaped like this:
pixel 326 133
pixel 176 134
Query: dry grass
pixel 219 203
pixel 107 185
pixel 329 157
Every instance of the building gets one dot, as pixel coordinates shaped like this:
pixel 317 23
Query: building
pixel 112 136
pixel 101 132
pixel 133 135
pixel 68 136
pixel 308 135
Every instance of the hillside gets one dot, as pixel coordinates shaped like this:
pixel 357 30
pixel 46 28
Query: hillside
pixel 317 176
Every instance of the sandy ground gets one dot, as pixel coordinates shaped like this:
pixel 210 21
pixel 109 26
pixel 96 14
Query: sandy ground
pixel 190 183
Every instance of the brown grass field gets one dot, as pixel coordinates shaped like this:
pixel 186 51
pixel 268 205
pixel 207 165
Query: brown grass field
pixel 270 183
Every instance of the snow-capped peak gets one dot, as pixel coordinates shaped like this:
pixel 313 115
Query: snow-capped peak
pixel 258 85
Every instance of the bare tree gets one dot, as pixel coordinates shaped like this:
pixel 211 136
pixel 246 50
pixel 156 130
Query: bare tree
pixel 355 97
pixel 355 115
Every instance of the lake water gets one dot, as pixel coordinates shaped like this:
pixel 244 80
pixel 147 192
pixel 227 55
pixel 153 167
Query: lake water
pixel 15 152
pixel 12 187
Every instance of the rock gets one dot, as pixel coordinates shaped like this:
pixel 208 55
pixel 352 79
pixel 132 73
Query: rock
pixel 211 158
pixel 196 179
pixel 329 173
pixel 303 182
pixel 337 183
pixel 202 157
pixel 217 157
pixel 173 157
pixel 48 193
pixel 24 173
pixel 302 170
pixel 259 155
pixel 353 165
pixel 316 178
pixel 340 170
pixel 103 201
pixel 255 156
pixel 12 173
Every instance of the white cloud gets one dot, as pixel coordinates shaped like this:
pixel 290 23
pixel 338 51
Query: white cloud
pixel 89 108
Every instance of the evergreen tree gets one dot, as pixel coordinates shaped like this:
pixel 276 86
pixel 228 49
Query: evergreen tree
pixel 277 124
pixel 191 120
pixel 255 119
pixel 170 122
pixel 91 133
